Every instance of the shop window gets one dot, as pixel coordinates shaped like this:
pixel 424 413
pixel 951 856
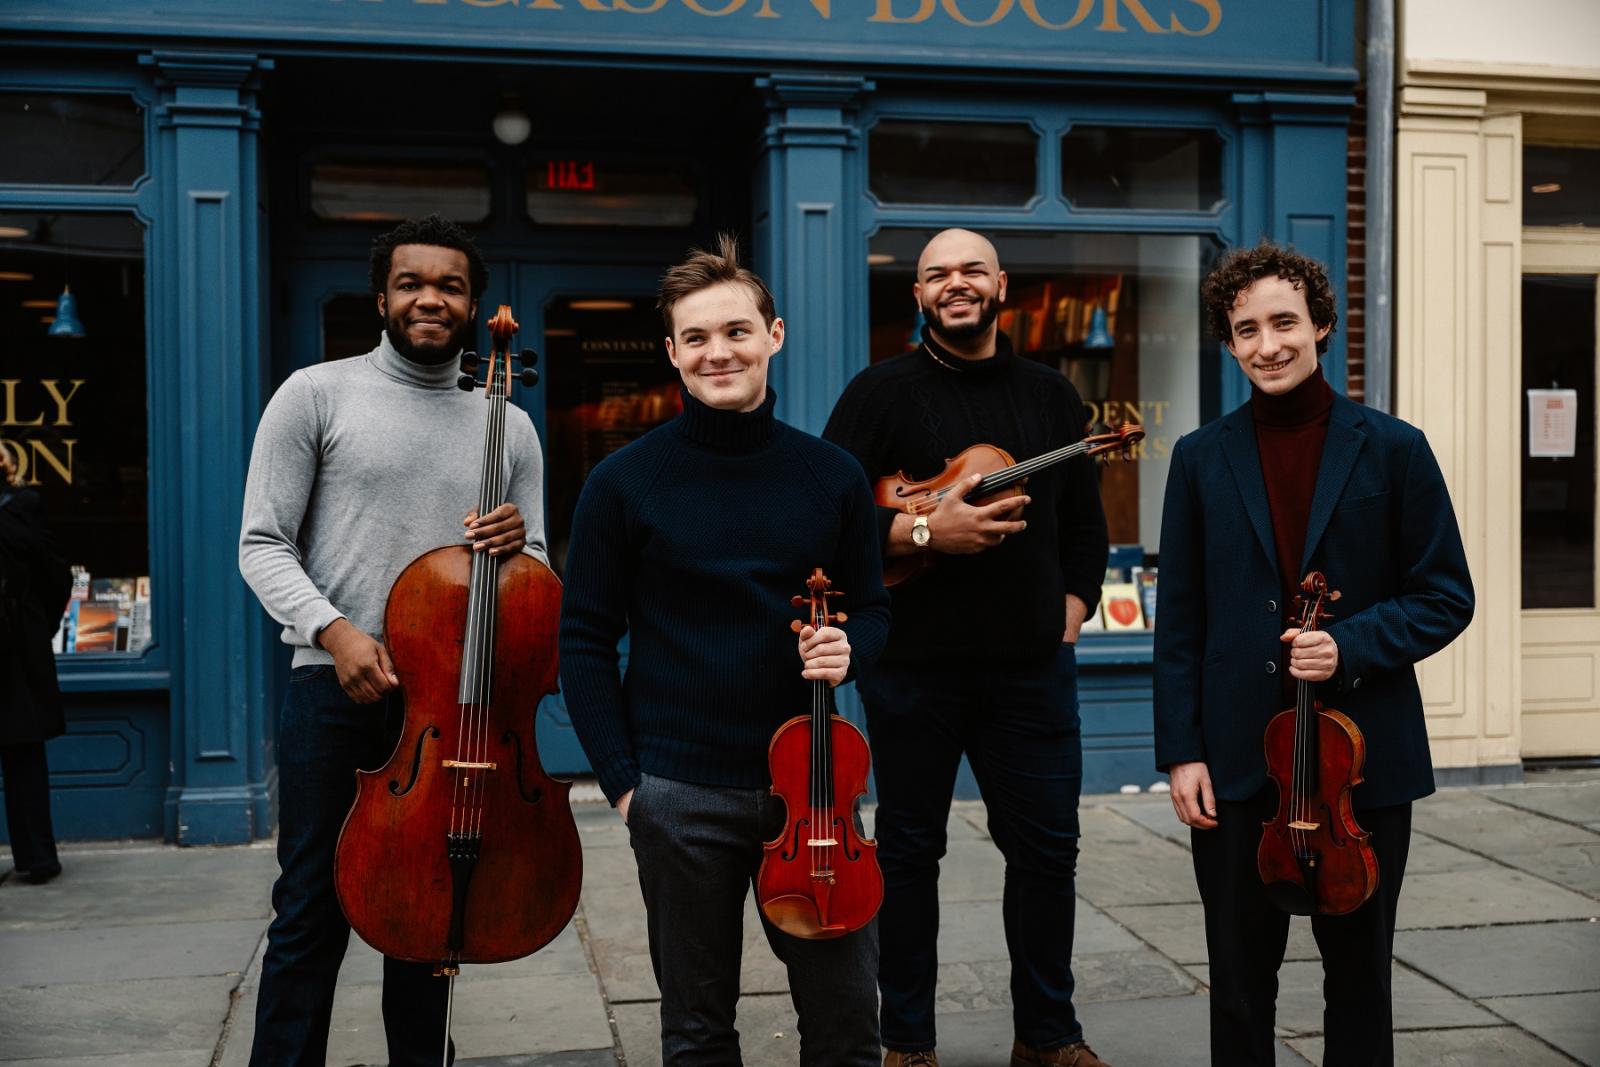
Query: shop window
pixel 1119 315
pixel 608 382
pixel 978 163
pixel 1133 168
pixel 72 293
pixel 1558 455
pixel 1561 186
pixel 71 139
pixel 588 190
pixel 351 326
pixel 391 190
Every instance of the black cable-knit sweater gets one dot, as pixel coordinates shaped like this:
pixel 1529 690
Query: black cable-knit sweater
pixel 691 540
pixel 1006 604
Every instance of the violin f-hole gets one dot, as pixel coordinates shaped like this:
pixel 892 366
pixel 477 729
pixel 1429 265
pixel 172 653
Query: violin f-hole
pixel 800 826
pixel 416 763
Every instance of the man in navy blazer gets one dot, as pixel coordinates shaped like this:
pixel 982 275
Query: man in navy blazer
pixel 1298 479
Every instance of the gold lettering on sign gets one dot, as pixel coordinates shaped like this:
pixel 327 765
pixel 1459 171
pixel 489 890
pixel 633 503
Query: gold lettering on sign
pixel 727 9
pixel 489 3
pixel 1001 10
pixel 51 386
pixel 650 9
pixel 41 452
pixel 1136 9
pixel 1031 8
pixel 824 8
pixel 1213 10
pixel 885 12
pixel 11 405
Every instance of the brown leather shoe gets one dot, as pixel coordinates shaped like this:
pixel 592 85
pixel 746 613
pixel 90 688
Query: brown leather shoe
pixel 1077 1054
pixel 910 1059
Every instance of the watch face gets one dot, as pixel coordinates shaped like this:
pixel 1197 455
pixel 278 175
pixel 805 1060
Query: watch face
pixel 919 535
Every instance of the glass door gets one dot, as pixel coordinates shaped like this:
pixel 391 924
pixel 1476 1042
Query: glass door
pixel 1560 612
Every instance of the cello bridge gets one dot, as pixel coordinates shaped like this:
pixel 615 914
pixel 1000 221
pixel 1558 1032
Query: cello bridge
pixel 1300 824
pixel 465 766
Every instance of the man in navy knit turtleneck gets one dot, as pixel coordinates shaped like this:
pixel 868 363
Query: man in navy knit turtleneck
pixel 1299 479
pixel 981 659
pixel 691 541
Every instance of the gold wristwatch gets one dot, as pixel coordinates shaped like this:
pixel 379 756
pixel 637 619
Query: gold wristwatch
pixel 920 533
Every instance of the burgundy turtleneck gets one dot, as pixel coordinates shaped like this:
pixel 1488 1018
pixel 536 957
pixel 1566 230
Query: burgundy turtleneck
pixel 1290 432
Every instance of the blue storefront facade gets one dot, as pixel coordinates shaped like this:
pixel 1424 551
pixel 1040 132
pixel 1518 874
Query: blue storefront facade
pixel 205 180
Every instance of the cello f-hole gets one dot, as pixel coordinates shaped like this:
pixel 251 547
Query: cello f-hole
pixel 534 795
pixel 416 764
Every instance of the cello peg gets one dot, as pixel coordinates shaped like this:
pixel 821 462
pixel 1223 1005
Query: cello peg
pixel 467 383
pixel 529 358
pixel 529 376
pixel 469 361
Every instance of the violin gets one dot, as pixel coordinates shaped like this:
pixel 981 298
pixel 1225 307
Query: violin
pixel 819 878
pixel 1314 857
pixel 1002 477
pixel 461 849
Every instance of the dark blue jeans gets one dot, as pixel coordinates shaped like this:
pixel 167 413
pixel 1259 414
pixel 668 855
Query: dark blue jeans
pixel 698 848
pixel 323 738
pixel 1019 729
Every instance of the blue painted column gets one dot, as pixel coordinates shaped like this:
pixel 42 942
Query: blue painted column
pixel 207 278
pixel 808 243
pixel 1292 189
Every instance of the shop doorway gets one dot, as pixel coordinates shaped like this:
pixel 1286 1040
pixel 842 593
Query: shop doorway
pixel 1560 561
pixel 604 380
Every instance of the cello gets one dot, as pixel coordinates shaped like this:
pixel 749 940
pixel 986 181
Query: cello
pixel 461 849
pixel 819 879
pixel 1314 857
pixel 1002 477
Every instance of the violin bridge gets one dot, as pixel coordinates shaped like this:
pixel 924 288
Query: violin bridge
pixel 465 766
pixel 1299 824
pixel 816 842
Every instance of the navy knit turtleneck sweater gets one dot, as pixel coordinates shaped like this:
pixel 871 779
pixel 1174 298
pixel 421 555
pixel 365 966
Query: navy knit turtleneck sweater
pixel 691 540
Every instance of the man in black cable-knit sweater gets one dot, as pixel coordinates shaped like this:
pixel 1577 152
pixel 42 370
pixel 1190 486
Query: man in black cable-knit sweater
pixel 980 658
pixel 691 541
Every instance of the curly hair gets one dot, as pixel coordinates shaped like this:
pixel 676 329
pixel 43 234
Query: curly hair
pixel 432 230
pixel 1243 267
pixel 704 269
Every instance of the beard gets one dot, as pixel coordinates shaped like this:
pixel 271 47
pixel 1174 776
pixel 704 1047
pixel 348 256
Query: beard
pixel 427 355
pixel 988 311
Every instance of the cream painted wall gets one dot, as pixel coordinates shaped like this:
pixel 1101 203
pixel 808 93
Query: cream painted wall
pixel 1543 33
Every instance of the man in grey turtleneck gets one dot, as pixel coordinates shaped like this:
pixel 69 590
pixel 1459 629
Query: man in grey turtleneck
pixel 359 466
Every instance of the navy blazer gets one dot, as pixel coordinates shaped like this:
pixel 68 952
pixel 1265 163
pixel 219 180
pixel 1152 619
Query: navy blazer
pixel 1383 532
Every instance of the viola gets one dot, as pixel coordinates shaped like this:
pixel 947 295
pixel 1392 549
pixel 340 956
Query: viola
pixel 1002 477
pixel 461 849
pixel 1314 857
pixel 819 878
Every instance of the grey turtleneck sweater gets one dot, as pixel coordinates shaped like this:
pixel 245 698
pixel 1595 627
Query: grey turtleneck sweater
pixel 359 467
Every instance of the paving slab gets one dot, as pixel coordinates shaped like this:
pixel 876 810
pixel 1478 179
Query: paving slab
pixel 1569 1021
pixel 1178 931
pixel 1161 1030
pixel 1154 815
pixel 1576 867
pixel 766 1025
pixel 1469 1047
pixel 1485 896
pixel 1507 960
pixel 180 1057
pixel 1473 821
pixel 975 931
pixel 112 1018
pixel 146 885
pixel 1429 855
pixel 1577 802
pixel 1121 862
pixel 620 943
pixel 124 953
pixel 589 1058
pixel 492 1017
pixel 1419 1002
pixel 363 964
pixel 972 869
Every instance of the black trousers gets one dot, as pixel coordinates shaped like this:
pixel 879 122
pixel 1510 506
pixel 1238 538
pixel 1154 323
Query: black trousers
pixel 1246 937
pixel 27 775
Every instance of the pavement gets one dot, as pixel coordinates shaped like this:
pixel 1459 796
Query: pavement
pixel 146 955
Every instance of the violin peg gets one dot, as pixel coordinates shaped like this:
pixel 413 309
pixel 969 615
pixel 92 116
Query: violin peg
pixel 797 601
pixel 467 383
pixel 529 357
pixel 840 616
pixel 796 626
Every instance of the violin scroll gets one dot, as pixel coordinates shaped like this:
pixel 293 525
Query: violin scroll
pixel 819 588
pixel 1112 442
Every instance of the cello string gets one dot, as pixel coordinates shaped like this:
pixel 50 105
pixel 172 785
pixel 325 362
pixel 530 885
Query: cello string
pixel 488 616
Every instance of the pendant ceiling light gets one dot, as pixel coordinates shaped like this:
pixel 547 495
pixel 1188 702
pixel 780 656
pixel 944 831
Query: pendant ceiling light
pixel 67 323
pixel 1099 336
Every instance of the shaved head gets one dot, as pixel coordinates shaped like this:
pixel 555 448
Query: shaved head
pixel 956 246
pixel 960 288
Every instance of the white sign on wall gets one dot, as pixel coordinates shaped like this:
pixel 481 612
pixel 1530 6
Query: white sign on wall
pixel 1552 422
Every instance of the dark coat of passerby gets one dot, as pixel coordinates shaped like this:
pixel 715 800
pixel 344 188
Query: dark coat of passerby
pixel 34 586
